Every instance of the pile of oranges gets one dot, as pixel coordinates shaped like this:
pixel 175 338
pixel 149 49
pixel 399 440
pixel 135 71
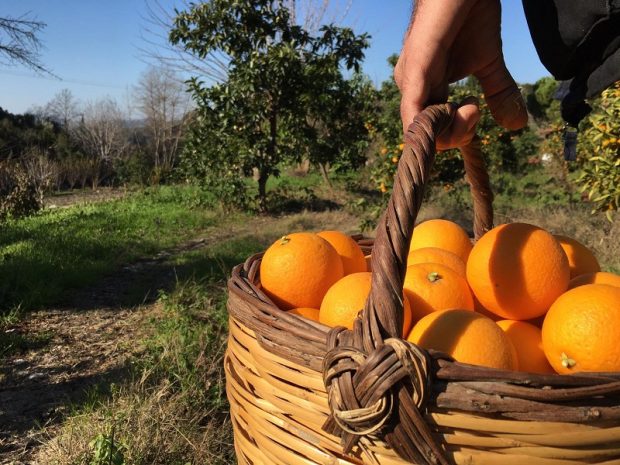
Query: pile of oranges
pixel 519 298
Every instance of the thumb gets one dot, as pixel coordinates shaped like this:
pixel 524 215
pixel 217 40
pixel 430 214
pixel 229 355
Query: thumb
pixel 502 95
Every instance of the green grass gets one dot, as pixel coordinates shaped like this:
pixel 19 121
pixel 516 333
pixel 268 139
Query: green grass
pixel 16 343
pixel 176 399
pixel 45 256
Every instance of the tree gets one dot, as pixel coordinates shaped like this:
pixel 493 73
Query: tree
pixel 541 102
pixel 101 136
pixel 161 98
pixel 20 43
pixel 599 152
pixel 213 66
pixel 255 118
pixel 337 131
pixel 62 109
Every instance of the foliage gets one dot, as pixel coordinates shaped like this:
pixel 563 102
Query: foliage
pixel 600 146
pixel 336 131
pixel 106 450
pixel 21 133
pixel 258 116
pixel 503 150
pixel 19 195
pixel 134 169
pixel 540 100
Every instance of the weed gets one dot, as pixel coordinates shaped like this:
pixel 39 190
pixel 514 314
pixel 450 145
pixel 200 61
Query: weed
pixel 106 450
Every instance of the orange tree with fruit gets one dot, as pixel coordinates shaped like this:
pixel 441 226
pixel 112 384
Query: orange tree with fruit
pixel 596 172
pixel 283 94
pixel 599 151
pixel 504 151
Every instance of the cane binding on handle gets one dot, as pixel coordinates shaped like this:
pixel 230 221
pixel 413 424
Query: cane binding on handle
pixel 375 380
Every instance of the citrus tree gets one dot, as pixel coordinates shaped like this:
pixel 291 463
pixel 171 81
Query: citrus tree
pixel 504 151
pixel 599 151
pixel 336 133
pixel 256 118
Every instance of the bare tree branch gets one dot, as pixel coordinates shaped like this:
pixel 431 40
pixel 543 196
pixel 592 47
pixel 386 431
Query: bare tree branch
pixel 20 43
pixel 164 103
pixel 158 51
pixel 159 19
pixel 312 14
pixel 101 135
pixel 63 108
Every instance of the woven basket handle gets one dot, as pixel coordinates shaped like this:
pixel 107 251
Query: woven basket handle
pixel 383 314
pixel 376 381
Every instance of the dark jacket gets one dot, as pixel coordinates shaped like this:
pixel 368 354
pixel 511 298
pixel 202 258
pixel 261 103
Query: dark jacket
pixel 577 41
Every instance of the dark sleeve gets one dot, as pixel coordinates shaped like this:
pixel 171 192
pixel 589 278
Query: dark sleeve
pixel 577 41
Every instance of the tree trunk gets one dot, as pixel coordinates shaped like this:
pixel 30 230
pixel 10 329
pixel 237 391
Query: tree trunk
pixel 262 190
pixel 271 160
pixel 324 169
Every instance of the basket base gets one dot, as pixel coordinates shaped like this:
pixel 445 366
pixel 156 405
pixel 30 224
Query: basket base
pixel 278 407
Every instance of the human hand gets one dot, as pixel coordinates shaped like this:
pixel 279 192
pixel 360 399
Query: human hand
pixel 448 41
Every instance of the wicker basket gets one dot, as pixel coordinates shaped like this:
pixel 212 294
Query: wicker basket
pixel 302 393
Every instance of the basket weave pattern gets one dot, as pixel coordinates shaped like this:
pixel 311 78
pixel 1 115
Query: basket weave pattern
pixel 302 393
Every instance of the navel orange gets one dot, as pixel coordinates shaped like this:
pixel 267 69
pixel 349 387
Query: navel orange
pixel 517 271
pixel 298 269
pixel 581 260
pixel 442 234
pixel 353 260
pixel 467 336
pixel 527 340
pixel 307 312
pixel 601 277
pixel 580 331
pixel 436 255
pixel 431 287
pixel 347 297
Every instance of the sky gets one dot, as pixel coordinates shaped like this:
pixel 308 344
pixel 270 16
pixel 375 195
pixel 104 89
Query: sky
pixel 94 47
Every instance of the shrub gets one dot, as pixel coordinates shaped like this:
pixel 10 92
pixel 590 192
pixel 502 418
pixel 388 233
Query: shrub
pixel 599 146
pixel 19 195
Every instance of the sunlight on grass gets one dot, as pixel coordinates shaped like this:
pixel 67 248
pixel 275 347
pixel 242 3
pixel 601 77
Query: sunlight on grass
pixel 44 256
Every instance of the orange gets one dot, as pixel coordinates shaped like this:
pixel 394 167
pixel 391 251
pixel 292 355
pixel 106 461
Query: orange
pixel 517 271
pixel 436 255
pixel 347 297
pixel 467 336
pixel 307 312
pixel 527 340
pixel 298 269
pixel 442 234
pixel 602 277
pixel 580 331
pixel 431 287
pixel 353 260
pixel 483 311
pixel 580 259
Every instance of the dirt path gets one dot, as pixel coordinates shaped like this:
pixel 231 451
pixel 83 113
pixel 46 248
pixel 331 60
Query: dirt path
pixel 68 198
pixel 85 345
pixel 88 343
